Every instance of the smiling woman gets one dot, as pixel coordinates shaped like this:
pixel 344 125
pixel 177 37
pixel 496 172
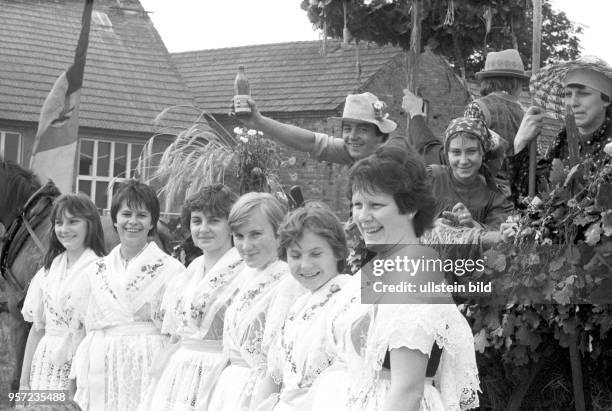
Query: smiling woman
pixel 195 306
pixel 387 356
pixel 123 316
pixel 465 191
pixel 75 241
pixel 313 241
pixel 254 220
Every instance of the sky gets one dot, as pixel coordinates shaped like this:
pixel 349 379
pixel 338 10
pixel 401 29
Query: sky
pixel 204 24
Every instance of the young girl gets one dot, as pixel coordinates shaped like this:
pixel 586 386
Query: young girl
pixel 254 221
pixel 195 306
pixel 123 317
pixel 76 240
pixel 313 242
pixel 465 190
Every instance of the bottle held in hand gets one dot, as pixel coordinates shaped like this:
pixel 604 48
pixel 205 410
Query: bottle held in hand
pixel 242 92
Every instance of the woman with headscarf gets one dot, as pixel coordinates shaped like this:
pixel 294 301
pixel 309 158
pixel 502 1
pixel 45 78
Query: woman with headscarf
pixel 465 191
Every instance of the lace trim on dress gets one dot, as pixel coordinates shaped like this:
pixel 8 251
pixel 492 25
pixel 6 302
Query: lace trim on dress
pixel 418 327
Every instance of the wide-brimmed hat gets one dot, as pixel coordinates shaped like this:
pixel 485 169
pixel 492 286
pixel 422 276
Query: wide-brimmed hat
pixel 505 63
pixel 547 86
pixel 366 107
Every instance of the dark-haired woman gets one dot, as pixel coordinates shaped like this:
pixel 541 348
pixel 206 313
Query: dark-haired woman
pixel 195 306
pixel 76 241
pixel 123 316
pixel 387 348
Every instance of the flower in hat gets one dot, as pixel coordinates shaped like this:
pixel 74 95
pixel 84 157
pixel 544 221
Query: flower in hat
pixel 608 149
pixel 367 108
pixel 379 110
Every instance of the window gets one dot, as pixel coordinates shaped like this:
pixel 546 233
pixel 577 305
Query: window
pixel 10 146
pixel 101 19
pixel 102 161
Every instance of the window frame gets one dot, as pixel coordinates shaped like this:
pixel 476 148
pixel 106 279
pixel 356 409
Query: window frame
pixel 94 178
pixel 3 134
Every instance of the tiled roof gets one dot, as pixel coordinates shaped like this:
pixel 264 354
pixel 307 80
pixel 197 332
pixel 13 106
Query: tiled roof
pixel 284 77
pixel 129 77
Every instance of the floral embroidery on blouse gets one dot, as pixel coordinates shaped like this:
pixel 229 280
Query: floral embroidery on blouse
pixel 253 346
pixel 100 273
pixel 312 372
pixel 63 318
pixel 247 298
pixel 146 271
pixel 196 311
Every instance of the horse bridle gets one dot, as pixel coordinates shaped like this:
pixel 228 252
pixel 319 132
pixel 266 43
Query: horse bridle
pixel 15 237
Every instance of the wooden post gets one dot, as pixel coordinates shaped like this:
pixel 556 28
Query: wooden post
pixel 577 381
pixel 572 136
pixel 415 50
pixel 535 67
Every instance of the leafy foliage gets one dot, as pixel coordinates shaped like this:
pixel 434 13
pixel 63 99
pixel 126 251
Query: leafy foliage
pixel 456 29
pixel 555 279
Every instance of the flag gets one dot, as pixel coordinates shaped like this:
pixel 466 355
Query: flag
pixel 55 145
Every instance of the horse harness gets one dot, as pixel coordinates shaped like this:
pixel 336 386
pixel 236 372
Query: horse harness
pixel 32 214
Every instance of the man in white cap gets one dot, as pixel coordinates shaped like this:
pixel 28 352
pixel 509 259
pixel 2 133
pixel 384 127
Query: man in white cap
pixel 365 126
pixel 587 88
pixel 501 83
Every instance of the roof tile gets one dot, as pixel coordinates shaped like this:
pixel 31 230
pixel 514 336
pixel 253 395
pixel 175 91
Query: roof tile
pixel 129 76
pixel 285 76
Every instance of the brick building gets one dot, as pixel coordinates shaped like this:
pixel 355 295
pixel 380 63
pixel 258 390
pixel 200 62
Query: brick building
pixel 299 84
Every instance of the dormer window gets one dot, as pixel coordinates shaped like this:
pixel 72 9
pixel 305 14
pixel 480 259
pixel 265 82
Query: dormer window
pixel 101 19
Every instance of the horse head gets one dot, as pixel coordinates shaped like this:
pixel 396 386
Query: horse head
pixel 17 184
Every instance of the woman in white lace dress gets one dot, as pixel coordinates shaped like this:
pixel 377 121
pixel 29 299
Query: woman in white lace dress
pixel 195 306
pixel 254 220
pixel 313 242
pixel 411 356
pixel 76 240
pixel 123 318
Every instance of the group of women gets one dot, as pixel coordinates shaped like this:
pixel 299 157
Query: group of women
pixel 267 318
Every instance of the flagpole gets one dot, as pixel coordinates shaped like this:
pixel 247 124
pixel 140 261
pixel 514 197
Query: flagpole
pixel 535 67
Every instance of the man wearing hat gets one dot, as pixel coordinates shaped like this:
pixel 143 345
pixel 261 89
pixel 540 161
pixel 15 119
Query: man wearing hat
pixel 585 85
pixel 365 126
pixel 501 83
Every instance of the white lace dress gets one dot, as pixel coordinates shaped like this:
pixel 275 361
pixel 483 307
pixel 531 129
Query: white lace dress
pixel 301 353
pixel 123 323
pixel 364 333
pixel 194 311
pixel 51 305
pixel 248 333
